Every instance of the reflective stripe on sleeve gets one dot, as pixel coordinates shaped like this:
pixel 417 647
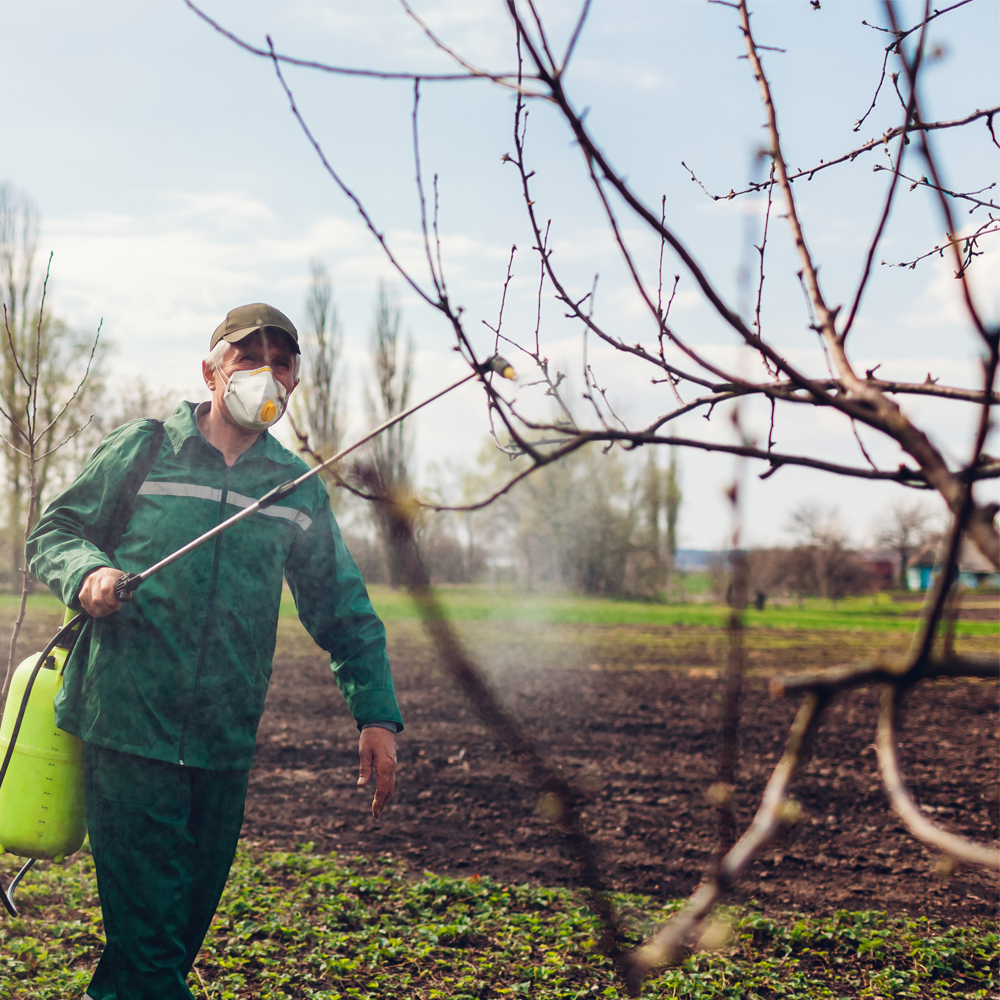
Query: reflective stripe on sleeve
pixel 289 513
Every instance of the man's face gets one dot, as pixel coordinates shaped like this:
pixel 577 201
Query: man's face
pixel 257 350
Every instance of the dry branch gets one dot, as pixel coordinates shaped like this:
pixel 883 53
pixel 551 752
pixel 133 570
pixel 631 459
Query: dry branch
pixel 881 141
pixel 558 802
pixel 970 242
pixel 672 944
pixel 865 673
pixel 908 811
pixel 26 429
pixel 732 689
pixel 471 74
pixel 875 410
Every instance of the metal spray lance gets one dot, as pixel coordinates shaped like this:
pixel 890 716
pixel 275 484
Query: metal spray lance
pixel 130 581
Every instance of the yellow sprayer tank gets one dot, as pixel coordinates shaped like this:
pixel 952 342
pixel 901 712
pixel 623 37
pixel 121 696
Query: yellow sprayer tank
pixel 42 809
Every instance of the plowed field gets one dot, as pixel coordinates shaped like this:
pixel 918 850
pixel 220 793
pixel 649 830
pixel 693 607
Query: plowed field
pixel 630 713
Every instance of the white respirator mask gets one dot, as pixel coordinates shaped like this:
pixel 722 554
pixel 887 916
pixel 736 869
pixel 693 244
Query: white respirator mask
pixel 255 399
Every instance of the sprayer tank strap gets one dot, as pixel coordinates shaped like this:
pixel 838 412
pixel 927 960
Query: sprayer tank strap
pixel 125 501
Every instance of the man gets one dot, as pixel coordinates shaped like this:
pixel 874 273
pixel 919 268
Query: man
pixel 167 690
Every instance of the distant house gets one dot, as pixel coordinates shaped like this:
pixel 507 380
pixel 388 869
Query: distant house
pixel 974 569
pixel 883 566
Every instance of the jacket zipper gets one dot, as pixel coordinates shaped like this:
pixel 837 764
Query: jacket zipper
pixel 209 608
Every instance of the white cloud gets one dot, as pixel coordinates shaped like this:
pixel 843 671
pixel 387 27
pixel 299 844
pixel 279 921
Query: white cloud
pixel 227 209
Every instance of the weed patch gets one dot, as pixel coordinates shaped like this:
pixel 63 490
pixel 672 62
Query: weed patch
pixel 322 927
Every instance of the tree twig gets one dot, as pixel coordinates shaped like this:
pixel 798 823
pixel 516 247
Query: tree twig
pixel 988 228
pixel 472 74
pixel 724 789
pixel 880 228
pixel 916 182
pixel 882 140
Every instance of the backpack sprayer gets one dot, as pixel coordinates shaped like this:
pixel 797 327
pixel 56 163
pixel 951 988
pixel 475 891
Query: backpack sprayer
pixel 42 804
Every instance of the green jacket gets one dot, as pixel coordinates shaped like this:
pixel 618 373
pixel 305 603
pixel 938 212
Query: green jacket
pixel 181 672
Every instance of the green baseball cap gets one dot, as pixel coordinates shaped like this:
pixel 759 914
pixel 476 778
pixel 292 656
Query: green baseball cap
pixel 244 320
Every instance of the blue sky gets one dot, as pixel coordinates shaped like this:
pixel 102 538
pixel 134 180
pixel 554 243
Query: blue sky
pixel 174 184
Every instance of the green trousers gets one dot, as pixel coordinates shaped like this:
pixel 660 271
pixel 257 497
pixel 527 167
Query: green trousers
pixel 163 838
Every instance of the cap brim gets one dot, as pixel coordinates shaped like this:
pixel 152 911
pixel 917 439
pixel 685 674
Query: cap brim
pixel 237 335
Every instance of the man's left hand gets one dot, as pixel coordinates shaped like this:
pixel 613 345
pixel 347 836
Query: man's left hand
pixel 377 748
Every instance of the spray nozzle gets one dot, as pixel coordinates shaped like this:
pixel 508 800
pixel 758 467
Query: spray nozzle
pixel 500 365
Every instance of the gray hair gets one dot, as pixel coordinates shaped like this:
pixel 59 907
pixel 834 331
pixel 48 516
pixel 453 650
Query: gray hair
pixel 215 356
pixel 214 359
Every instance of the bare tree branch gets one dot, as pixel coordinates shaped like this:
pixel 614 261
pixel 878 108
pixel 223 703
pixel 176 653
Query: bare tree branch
pixel 900 35
pixel 8 442
pixel 912 69
pixel 907 810
pixel 472 74
pixel 866 673
pixel 876 409
pixel 881 141
pixel 362 211
pixel 671 944
pixel 922 182
pixel 722 792
pixel 75 393
pixel 880 228
pixel 69 437
pixel 512 81
pixel 598 163
pixel 575 36
pixel 989 228
pixel 420 190
pixel 13 350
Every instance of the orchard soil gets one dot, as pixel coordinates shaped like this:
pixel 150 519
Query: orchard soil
pixel 630 715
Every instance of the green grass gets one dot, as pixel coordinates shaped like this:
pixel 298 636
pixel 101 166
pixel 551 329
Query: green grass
pixel 37 603
pixel 873 613
pixel 878 613
pixel 319 927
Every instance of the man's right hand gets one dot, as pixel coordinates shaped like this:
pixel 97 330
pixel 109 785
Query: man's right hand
pixel 97 592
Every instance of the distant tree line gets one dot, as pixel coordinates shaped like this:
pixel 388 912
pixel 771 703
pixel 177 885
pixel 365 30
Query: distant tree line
pixel 587 525
pixel 824 563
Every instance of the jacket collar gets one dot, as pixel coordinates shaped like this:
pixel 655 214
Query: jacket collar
pixel 182 427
